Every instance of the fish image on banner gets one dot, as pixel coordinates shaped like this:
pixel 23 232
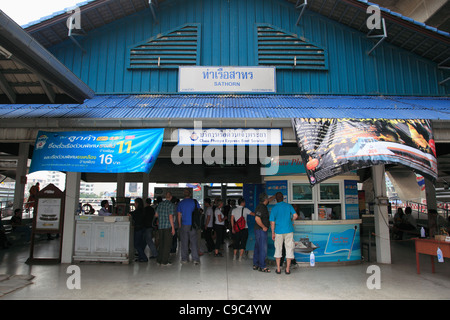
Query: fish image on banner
pixel 330 147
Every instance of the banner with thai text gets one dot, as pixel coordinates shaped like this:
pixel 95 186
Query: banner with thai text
pixel 118 151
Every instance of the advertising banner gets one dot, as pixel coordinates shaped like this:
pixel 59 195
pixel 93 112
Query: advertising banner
pixel 116 151
pixel 351 199
pixel 330 243
pixel 330 147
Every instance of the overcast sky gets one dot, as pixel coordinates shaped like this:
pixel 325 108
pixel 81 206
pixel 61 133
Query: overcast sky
pixel 25 11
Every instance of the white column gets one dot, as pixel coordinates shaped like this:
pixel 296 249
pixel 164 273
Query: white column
pixel 21 174
pixel 381 217
pixel 71 205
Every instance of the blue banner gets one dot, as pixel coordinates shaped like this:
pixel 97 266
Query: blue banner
pixel 341 241
pixel 351 199
pixel 330 242
pixel 115 151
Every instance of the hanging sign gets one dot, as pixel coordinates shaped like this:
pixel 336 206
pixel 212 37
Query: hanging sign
pixel 330 147
pixel 237 137
pixel 226 79
pixel 97 151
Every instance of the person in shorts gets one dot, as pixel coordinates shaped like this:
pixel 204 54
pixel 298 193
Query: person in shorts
pixel 281 222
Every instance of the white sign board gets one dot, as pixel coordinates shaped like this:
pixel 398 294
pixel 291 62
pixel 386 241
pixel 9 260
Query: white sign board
pixel 229 137
pixel 48 214
pixel 227 79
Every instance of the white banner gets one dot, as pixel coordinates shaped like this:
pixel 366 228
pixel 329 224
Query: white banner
pixel 229 137
pixel 227 79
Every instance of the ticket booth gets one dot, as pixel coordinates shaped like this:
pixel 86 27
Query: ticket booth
pixel 328 221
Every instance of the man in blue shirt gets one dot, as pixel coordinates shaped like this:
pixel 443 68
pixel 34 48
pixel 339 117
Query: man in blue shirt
pixel 188 235
pixel 281 222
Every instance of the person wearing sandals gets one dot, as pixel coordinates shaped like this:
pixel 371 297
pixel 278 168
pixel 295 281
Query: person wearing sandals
pixel 281 222
pixel 262 225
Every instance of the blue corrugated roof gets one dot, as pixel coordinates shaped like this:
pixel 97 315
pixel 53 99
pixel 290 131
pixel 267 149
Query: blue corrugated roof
pixel 236 106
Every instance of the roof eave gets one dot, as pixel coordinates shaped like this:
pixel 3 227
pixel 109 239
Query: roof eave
pixel 31 54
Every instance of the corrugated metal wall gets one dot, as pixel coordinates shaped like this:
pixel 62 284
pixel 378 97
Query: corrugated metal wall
pixel 229 38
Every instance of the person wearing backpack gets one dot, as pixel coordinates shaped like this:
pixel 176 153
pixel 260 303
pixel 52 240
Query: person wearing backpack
pixel 188 232
pixel 239 228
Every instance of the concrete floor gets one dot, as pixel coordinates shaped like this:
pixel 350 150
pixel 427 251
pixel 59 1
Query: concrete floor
pixel 225 279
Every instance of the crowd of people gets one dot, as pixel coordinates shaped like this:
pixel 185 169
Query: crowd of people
pixel 162 224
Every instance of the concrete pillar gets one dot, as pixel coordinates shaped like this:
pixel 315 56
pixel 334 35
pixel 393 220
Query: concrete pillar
pixel 223 193
pixel 381 218
pixel 120 185
pixel 21 175
pixel 145 182
pixel 430 193
pixel 71 205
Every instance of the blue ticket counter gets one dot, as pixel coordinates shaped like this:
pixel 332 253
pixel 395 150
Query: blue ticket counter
pixel 328 221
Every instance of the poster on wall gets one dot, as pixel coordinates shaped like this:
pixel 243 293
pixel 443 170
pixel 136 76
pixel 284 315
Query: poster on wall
pixel 97 151
pixel 330 243
pixel 351 199
pixel 330 147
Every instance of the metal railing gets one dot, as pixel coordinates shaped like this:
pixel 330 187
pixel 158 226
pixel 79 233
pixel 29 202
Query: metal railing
pixel 420 210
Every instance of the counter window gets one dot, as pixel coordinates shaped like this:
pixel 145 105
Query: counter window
pixel 329 191
pixel 302 192
pixel 304 211
pixel 324 201
pixel 329 212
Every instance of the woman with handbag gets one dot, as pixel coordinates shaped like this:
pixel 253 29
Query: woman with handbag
pixel 239 228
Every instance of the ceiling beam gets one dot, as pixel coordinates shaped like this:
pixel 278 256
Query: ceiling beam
pixel 6 88
pixel 48 90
